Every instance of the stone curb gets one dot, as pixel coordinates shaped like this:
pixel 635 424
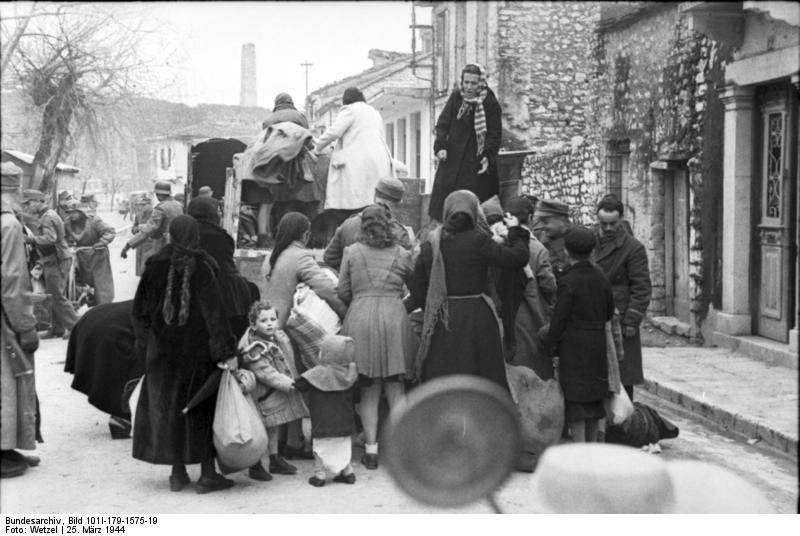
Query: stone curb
pixel 727 420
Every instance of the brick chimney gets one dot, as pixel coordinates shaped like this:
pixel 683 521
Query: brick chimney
pixel 248 95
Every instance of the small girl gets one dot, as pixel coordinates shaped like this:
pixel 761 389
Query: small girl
pixel 266 351
pixel 329 385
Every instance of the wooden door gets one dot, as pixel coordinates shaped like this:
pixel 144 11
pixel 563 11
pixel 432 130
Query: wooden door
pixel 676 243
pixel 778 127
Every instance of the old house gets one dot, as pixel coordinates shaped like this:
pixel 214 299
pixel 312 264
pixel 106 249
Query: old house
pixel 65 178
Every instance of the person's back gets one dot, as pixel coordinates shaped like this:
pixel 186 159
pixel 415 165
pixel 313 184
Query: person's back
pixel 378 270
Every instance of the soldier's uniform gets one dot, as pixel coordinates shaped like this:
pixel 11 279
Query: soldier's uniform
pixel 154 234
pixel 555 246
pixel 56 260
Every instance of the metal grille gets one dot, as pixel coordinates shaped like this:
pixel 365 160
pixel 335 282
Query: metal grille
pixel 616 155
pixel 774 165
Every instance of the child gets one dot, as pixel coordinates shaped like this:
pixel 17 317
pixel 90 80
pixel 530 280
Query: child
pixel 584 303
pixel 266 351
pixel 330 396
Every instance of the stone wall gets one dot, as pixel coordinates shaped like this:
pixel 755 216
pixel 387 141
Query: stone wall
pixel 568 174
pixel 657 86
pixel 543 62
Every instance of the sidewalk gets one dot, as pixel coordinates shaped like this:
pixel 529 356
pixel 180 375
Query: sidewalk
pixel 742 395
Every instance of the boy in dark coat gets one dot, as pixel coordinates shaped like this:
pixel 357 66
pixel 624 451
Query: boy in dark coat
pixel 584 303
pixel 329 386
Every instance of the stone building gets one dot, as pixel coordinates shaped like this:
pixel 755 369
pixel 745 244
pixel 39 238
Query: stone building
pixel 759 305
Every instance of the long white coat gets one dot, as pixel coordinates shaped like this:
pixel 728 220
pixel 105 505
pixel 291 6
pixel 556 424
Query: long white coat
pixel 360 158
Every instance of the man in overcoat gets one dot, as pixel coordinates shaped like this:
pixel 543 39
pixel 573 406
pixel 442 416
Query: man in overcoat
pixel 623 259
pixel 152 236
pixel 55 256
pixel 94 265
pixel 19 338
pixel 468 136
pixel 388 193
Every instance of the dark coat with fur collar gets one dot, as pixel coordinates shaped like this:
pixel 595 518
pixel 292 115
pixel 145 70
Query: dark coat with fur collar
pixel 178 360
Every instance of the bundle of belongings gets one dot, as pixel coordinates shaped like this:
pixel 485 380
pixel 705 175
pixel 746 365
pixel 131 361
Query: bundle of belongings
pixel 644 427
pixel 310 321
pixel 279 161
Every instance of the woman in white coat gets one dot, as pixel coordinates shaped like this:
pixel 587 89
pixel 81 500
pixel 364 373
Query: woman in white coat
pixel 360 158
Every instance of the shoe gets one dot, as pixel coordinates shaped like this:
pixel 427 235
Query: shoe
pixel 120 428
pixel 9 468
pixel 370 461
pixel 30 461
pixel 299 453
pixel 257 472
pixel 217 482
pixel 345 479
pixel 316 482
pixel 178 482
pixel 280 466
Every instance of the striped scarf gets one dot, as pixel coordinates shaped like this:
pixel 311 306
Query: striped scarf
pixel 480 114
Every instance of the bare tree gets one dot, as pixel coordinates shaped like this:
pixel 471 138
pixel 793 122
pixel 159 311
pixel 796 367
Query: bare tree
pixel 74 60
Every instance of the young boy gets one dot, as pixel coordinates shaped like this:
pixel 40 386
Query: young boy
pixel 584 303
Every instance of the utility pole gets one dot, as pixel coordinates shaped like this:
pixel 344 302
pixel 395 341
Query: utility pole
pixel 306 65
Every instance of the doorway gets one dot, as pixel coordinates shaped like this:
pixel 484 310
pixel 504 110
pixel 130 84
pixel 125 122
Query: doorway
pixel 676 242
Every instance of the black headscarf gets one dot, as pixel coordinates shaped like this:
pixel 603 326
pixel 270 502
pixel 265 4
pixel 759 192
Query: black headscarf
pixel 283 101
pixel 351 95
pixel 185 240
pixel 204 209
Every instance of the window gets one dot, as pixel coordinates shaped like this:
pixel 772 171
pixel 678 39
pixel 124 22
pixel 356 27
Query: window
pixel 390 137
pixel 416 153
pixel 441 51
pixel 481 34
pixel 401 140
pixel 461 37
pixel 617 155
pixel 165 155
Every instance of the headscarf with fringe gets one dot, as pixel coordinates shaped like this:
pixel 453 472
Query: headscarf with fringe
pixel 185 240
pixel 436 310
pixel 476 102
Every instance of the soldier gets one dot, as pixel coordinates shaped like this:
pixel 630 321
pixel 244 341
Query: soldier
pixel 18 422
pixel 94 265
pixel 551 223
pixel 388 193
pixel 64 197
pixel 55 256
pixel 152 236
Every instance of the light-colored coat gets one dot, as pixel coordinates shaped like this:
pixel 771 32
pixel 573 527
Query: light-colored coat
pixel 18 404
pixel 360 158
pixel 296 265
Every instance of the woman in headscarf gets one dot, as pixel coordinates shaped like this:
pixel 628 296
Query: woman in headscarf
pixel 290 263
pixel 468 135
pixel 183 333
pixel 461 330
pixel 372 279
pixel 237 292
pixel 360 157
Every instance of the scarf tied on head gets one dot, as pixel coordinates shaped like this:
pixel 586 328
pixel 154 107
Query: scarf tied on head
pixel 436 310
pixel 185 241
pixel 335 368
pixel 468 103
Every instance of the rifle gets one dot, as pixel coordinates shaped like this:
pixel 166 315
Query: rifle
pixel 20 364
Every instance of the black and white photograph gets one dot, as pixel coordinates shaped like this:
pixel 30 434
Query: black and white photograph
pixel 398 257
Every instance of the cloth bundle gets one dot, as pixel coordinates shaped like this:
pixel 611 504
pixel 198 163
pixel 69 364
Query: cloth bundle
pixel 310 320
pixel 644 427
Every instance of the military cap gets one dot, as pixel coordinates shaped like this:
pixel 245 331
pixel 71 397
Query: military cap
pixel 550 207
pixel 88 199
pixel 11 175
pixel 205 191
pixel 580 240
pixel 32 195
pixel 390 188
pixel 163 187
pixel 71 205
pixel 491 207
pixel 64 195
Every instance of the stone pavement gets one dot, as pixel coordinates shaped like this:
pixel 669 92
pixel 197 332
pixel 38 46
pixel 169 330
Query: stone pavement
pixel 752 399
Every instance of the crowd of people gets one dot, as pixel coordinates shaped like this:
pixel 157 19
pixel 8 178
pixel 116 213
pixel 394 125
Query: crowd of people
pixel 490 285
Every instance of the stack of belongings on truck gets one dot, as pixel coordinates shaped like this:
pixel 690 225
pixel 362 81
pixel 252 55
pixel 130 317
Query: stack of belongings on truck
pixel 280 162
pixel 310 321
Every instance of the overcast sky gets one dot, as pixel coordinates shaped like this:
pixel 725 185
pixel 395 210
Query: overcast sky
pixel 334 36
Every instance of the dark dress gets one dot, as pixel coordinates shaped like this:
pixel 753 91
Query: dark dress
pixel 179 359
pixel 332 413
pixel 100 355
pixel 237 294
pixel 472 343
pixel 584 303
pixel 457 136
